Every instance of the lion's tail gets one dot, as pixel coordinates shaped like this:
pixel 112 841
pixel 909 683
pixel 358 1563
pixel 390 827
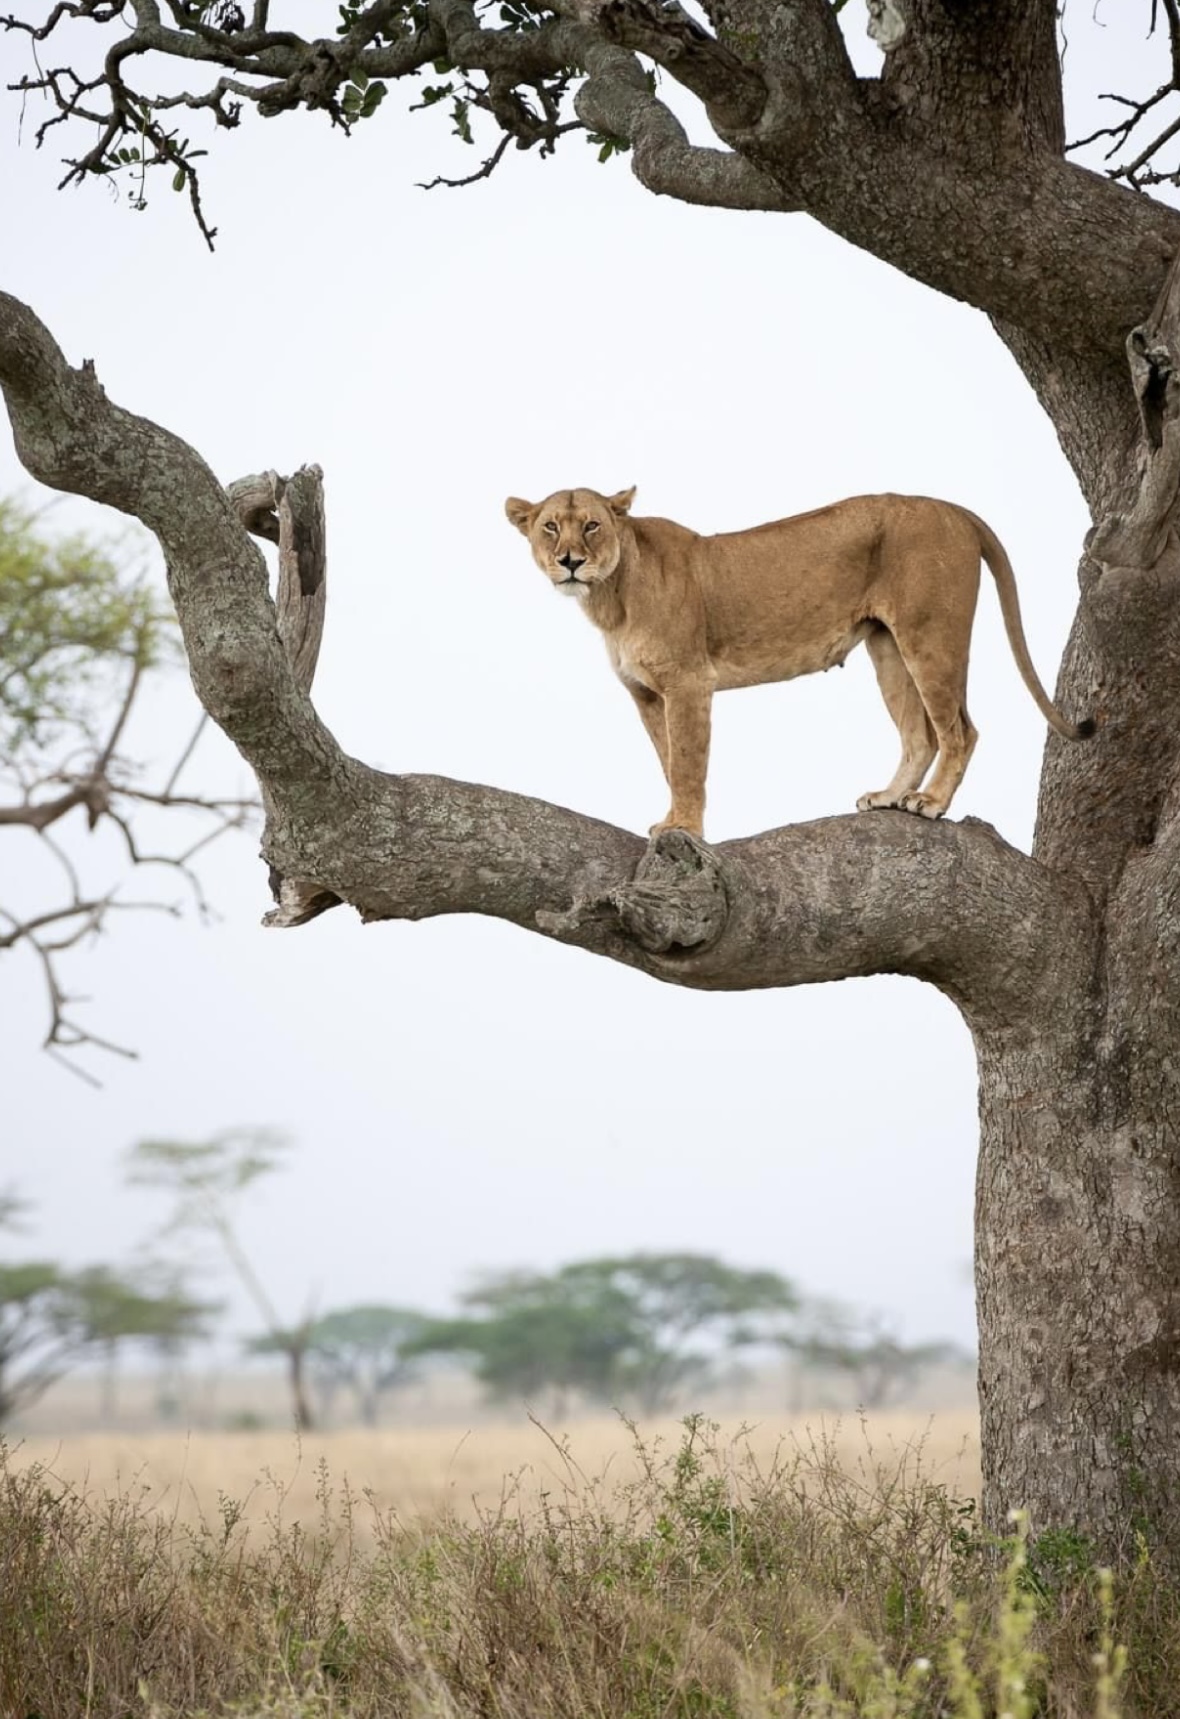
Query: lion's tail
pixel 996 556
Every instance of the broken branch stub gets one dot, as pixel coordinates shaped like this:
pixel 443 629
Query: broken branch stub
pixel 1137 539
pixel 301 597
pixel 290 512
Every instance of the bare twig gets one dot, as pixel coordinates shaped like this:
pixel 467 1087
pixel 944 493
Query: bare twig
pixel 1138 171
pixel 96 778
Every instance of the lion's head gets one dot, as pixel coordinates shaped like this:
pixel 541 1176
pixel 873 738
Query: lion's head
pixel 574 535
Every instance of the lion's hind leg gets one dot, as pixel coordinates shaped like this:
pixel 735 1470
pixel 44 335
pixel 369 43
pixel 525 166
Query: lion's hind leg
pixel 904 703
pixel 941 681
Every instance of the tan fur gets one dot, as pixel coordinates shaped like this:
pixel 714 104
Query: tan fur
pixel 685 616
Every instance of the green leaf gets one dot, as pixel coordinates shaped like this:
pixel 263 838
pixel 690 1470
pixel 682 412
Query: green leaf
pixel 607 146
pixel 462 124
pixel 374 96
pixel 178 179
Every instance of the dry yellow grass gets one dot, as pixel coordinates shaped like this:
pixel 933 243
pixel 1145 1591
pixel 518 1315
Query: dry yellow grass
pixel 419 1471
pixel 779 1574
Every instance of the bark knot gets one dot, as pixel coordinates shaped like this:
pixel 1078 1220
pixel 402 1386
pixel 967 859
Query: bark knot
pixel 677 899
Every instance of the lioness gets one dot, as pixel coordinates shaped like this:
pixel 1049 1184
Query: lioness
pixel 686 616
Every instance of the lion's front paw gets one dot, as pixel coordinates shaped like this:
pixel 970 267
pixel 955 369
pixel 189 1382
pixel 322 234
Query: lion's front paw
pixel 695 827
pixel 922 805
pixel 878 802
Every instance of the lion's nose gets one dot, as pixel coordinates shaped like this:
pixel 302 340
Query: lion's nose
pixel 570 561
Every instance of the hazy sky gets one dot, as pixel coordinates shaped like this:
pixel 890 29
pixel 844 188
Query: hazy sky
pixel 464 1095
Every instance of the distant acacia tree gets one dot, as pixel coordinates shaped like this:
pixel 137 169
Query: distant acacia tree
pixel 534 1337
pixel 633 1328
pixel 81 630
pixel 368 1349
pixel 863 1349
pixel 51 1320
pixel 147 1308
pixel 205 1179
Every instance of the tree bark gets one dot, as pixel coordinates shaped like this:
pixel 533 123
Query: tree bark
pixel 297 1379
pixel 1065 965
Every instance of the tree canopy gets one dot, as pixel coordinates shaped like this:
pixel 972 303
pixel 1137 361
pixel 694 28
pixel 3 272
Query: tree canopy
pixel 637 1328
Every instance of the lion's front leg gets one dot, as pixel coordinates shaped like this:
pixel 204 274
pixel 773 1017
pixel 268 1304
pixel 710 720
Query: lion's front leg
pixel 688 716
pixel 650 706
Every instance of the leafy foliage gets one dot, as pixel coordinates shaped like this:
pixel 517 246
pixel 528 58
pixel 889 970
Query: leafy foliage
pixel 71 619
pixel 612 1329
pixel 78 630
pixel 50 1319
pixel 369 1349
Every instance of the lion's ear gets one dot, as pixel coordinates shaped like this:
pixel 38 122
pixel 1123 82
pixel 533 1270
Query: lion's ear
pixel 621 503
pixel 520 512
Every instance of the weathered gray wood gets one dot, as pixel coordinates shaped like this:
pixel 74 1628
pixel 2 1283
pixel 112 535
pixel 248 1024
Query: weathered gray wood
pixel 290 512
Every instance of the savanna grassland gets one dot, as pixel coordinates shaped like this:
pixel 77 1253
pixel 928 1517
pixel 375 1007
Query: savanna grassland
pixel 420 1471
pixel 674 1572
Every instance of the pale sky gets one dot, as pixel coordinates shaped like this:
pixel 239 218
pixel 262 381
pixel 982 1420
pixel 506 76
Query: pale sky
pixel 464 1095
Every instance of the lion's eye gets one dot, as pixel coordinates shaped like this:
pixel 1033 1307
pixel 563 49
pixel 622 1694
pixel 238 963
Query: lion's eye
pixel 550 526
pixel 591 525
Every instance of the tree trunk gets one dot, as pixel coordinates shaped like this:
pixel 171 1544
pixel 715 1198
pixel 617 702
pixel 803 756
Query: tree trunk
pixel 1078 1205
pixel 1079 1292
pixel 109 1385
pixel 296 1378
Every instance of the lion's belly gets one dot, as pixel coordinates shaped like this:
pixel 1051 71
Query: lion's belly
pixel 783 659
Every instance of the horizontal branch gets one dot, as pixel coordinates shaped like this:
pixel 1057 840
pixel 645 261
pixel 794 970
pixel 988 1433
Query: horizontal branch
pixel 948 903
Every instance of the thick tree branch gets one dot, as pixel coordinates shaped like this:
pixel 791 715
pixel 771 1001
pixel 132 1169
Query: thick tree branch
pixel 949 166
pixel 616 99
pixel 879 893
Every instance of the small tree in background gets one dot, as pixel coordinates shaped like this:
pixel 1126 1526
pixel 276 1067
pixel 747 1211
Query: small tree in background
pixel 111 1311
pixel 612 1329
pixel 681 1301
pixel 205 1179
pixel 38 1338
pixel 368 1349
pixel 80 629
pixel 535 1336
pixel 52 1320
pixel 867 1352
